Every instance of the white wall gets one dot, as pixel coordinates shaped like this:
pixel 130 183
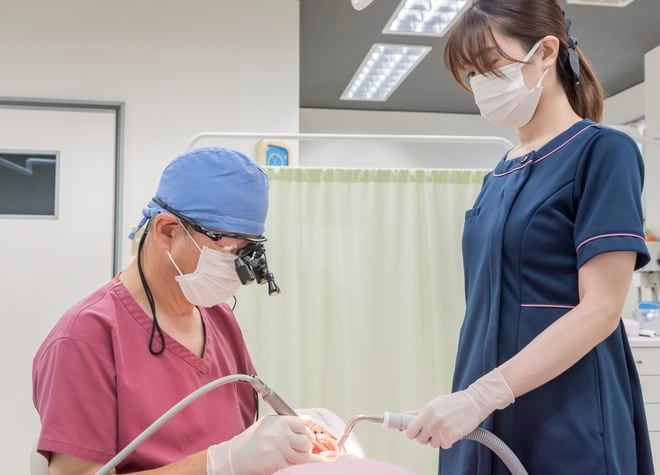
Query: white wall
pixel 404 155
pixel 180 67
pixel 625 106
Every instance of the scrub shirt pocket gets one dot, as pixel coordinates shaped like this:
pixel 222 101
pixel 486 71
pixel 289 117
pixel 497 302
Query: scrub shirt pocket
pixel 472 213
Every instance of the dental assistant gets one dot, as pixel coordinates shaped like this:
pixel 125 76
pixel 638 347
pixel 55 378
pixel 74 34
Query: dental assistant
pixel 549 249
pixel 124 355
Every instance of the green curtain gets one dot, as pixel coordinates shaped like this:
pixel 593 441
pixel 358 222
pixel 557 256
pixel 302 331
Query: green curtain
pixel 370 266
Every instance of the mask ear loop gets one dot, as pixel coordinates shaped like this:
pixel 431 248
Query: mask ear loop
pixel 545 73
pixel 190 236
pixel 530 55
pixel 178 269
pixel 155 327
pixel 174 263
pixel 532 51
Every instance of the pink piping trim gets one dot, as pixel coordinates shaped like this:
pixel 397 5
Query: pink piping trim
pixel 546 155
pixel 601 236
pixel 534 305
pixel 513 170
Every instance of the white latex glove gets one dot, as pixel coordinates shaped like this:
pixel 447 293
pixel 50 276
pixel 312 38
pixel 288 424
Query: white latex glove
pixel 447 419
pixel 272 443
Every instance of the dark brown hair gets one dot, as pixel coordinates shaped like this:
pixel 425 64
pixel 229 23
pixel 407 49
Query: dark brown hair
pixel 471 44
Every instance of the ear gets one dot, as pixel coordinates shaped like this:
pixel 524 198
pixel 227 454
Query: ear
pixel 549 51
pixel 164 228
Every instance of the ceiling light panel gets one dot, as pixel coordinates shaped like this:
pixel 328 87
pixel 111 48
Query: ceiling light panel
pixel 601 3
pixel 383 69
pixel 425 17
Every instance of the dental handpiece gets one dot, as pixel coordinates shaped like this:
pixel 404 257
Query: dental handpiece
pixel 272 398
pixel 276 402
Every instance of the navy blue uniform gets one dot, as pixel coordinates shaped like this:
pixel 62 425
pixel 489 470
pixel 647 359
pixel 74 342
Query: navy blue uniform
pixel 537 220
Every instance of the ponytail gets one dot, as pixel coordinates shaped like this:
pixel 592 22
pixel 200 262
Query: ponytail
pixel 587 97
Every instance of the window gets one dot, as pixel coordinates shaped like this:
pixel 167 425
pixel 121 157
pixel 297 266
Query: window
pixel 28 183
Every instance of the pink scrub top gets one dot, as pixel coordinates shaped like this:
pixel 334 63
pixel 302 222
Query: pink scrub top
pixel 96 385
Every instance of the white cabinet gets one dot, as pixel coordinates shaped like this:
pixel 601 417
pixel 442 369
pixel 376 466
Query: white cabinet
pixel 651 388
pixel 655 444
pixel 647 358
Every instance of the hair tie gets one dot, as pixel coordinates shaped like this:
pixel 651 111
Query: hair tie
pixel 573 56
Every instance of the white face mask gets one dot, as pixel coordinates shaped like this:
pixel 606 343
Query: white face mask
pixel 506 101
pixel 215 279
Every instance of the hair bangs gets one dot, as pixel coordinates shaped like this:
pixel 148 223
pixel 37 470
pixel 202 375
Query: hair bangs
pixel 472 46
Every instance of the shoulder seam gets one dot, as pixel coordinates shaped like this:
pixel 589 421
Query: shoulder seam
pixel 79 340
pixel 87 306
pixel 600 132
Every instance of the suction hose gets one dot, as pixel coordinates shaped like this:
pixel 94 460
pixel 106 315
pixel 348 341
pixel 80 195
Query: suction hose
pixel 499 448
pixel 391 420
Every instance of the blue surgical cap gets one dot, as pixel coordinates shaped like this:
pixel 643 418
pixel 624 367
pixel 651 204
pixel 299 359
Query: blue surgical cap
pixel 218 188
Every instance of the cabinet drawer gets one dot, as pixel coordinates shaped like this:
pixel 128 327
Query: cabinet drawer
pixel 655 448
pixel 647 360
pixel 653 416
pixel 650 388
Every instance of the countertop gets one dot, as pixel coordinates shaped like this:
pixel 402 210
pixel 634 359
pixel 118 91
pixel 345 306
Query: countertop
pixel 644 342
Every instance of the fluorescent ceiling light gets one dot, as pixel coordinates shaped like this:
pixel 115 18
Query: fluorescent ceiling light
pixel 425 17
pixel 382 70
pixel 361 4
pixel 602 3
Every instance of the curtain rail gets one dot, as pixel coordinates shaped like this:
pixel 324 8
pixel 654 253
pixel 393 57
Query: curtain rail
pixel 356 137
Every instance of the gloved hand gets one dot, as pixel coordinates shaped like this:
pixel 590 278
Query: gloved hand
pixel 330 421
pixel 272 443
pixel 334 425
pixel 447 419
